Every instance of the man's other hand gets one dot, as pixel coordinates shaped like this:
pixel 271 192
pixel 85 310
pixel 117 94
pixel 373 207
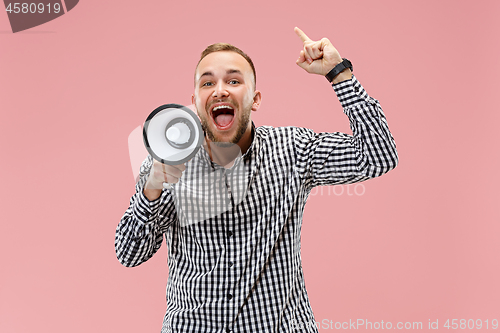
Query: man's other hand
pixel 319 57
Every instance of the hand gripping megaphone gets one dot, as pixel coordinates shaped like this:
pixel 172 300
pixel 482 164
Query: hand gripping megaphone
pixel 172 134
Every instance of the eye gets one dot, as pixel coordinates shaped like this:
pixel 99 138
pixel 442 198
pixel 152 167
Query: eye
pixel 206 84
pixel 234 81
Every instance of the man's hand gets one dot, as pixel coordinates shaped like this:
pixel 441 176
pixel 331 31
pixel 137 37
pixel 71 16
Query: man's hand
pixel 320 57
pixel 161 173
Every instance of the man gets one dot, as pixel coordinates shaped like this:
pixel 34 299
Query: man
pixel 239 270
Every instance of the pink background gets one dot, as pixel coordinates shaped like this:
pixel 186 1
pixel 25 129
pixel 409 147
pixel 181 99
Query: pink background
pixel 421 243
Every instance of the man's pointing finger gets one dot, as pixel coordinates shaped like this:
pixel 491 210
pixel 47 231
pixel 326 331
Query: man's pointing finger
pixel 302 35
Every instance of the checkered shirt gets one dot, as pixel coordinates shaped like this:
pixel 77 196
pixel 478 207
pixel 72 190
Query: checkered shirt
pixel 234 249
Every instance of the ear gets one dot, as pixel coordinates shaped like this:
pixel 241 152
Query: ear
pixel 257 98
pixel 193 101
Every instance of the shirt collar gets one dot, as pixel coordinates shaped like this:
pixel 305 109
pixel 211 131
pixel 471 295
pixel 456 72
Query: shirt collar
pixel 252 148
pixel 248 154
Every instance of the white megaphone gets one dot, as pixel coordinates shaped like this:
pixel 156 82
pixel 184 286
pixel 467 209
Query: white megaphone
pixel 172 134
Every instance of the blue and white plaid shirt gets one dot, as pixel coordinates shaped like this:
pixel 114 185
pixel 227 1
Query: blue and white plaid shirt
pixel 234 257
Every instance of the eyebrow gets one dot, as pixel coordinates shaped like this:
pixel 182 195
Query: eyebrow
pixel 229 71
pixel 233 71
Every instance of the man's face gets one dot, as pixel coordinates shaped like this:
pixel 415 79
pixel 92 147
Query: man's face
pixel 224 96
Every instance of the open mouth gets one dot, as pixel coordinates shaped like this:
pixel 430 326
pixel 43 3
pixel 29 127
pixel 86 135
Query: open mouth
pixel 223 116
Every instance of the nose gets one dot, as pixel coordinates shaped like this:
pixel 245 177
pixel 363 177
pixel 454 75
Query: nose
pixel 220 90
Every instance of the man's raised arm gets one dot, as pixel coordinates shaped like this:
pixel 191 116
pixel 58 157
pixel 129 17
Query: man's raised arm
pixel 339 158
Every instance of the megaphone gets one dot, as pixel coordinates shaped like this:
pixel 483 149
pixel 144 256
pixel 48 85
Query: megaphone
pixel 172 134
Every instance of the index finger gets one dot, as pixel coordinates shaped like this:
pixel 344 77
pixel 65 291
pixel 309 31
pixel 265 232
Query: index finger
pixel 302 35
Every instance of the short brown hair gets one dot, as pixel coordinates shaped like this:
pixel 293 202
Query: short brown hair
pixel 227 47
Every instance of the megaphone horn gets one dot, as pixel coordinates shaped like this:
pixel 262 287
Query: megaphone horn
pixel 172 134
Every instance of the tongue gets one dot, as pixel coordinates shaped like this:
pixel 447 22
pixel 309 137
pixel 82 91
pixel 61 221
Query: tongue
pixel 224 119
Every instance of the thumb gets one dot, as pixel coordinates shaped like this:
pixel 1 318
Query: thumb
pixel 302 60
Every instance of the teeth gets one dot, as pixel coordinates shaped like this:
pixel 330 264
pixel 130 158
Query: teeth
pixel 222 107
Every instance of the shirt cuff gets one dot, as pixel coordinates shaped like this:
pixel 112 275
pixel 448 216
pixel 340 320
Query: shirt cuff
pixel 146 210
pixel 350 92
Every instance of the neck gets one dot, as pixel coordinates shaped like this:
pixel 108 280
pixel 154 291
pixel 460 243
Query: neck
pixel 224 153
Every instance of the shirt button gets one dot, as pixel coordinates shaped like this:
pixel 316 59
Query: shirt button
pixel 231 264
pixel 229 233
pixel 228 330
pixel 229 296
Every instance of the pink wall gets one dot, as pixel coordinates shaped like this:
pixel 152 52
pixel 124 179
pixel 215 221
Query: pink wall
pixel 421 243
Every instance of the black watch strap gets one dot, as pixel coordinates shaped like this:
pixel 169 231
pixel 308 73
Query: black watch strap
pixel 337 69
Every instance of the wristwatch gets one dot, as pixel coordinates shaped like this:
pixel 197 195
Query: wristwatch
pixel 337 69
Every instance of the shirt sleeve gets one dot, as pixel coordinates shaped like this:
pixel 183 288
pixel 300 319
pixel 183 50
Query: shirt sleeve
pixel 339 158
pixel 139 234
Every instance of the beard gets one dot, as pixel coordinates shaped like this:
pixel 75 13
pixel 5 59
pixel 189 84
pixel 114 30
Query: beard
pixel 243 121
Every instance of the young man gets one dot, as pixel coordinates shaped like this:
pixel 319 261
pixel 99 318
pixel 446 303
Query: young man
pixel 238 269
